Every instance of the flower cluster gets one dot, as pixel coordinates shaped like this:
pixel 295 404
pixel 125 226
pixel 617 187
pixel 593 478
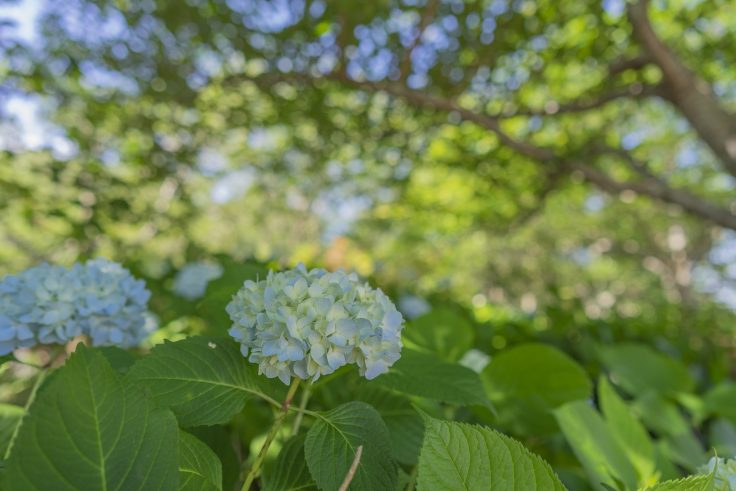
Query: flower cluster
pixel 306 324
pixel 191 280
pixel 725 478
pixel 50 304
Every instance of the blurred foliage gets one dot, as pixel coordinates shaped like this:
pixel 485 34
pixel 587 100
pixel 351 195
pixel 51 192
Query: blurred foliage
pixel 341 133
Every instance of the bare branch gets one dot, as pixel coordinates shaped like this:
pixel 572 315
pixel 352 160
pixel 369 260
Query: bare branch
pixel 582 105
pixel 623 64
pixel 689 93
pixel 655 188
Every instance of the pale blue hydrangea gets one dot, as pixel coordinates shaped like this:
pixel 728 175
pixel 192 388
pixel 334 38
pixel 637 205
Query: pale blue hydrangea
pixel 306 324
pixel 50 304
pixel 725 473
pixel 191 280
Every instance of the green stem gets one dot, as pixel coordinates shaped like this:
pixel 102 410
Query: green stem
pixel 412 479
pixel 253 473
pixel 306 392
pixel 39 380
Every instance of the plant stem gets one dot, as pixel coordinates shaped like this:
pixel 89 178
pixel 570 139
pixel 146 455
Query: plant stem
pixel 306 392
pixel 39 380
pixel 253 473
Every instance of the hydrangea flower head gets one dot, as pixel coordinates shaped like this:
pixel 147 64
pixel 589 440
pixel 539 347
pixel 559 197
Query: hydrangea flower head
pixel 725 478
pixel 191 280
pixel 50 304
pixel 306 324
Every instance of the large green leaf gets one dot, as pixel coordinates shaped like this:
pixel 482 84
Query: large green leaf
pixel 441 332
pixel 332 443
pixel 526 382
pixel 459 456
pixel 199 467
pixel 404 423
pixel 424 375
pixel 289 472
pixel 205 381
pixel 601 454
pixel 89 430
pixel 10 417
pixel 627 430
pixel 691 483
pixel 639 369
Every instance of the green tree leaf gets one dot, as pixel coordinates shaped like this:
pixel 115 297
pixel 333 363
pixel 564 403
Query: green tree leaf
pixel 10 417
pixel 332 441
pixel 199 467
pixel 598 450
pixel 89 430
pixel 627 430
pixel 289 472
pixel 639 369
pixel 424 375
pixel 441 332
pixel 205 381
pixel 526 382
pixel 460 456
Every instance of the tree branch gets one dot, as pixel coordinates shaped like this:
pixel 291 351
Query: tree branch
pixel 655 188
pixel 692 96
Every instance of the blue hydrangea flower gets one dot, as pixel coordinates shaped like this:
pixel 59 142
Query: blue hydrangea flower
pixel 191 280
pixel 50 304
pixel 725 478
pixel 306 324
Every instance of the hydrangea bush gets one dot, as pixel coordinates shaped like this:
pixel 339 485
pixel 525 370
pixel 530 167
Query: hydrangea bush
pixel 350 406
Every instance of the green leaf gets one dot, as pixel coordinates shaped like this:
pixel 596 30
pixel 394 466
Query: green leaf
pixel 220 440
pixel 721 400
pixel 691 483
pixel 627 430
pixel 424 375
pixel 289 472
pixel 404 423
pixel 10 417
pixel 89 430
pixel 639 369
pixel 119 359
pixel 441 332
pixel 598 450
pixel 460 456
pixel 528 381
pixel 333 440
pixel 199 467
pixel 205 381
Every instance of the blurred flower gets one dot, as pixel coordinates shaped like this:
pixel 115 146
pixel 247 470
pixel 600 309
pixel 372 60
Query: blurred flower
pixel 50 304
pixel 191 280
pixel 413 306
pixel 725 473
pixel 306 324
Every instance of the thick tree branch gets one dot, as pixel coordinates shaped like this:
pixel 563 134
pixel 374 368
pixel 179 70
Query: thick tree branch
pixel 623 64
pixel 690 94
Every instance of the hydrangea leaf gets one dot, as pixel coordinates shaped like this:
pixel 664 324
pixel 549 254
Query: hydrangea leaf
pixel 468 457
pixel 441 332
pixel 289 472
pixel 601 454
pixel 199 467
pixel 526 382
pixel 691 483
pixel 404 423
pixel 205 381
pixel 10 417
pixel 332 442
pixel 87 429
pixel 639 369
pixel 423 375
